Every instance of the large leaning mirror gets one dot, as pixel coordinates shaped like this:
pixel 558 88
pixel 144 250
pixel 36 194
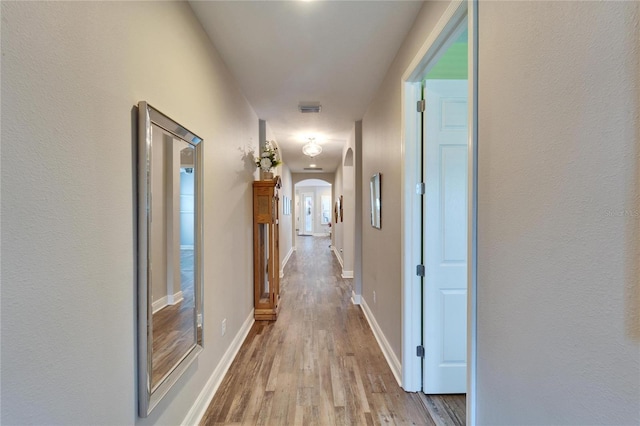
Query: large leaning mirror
pixel 169 253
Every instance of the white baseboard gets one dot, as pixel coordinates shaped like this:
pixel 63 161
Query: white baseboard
pixel 356 299
pixel 337 253
pixel 392 360
pixel 159 304
pixel 347 274
pixel 201 403
pixel 170 299
pixel 284 262
pixel 321 234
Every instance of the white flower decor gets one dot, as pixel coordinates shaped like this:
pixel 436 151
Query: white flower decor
pixel 269 158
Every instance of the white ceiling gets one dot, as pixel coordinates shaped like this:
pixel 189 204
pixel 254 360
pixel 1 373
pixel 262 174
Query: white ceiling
pixel 286 52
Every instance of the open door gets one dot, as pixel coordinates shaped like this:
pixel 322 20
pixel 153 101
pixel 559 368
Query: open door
pixel 445 213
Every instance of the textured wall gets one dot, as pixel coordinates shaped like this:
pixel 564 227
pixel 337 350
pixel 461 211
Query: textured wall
pixel 337 230
pixel 382 152
pixel 286 221
pixel 558 240
pixel 71 74
pixel 348 191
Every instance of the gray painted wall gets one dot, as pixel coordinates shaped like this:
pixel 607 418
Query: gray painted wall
pixel 559 305
pixel 558 236
pixel 558 289
pixel 382 152
pixel 349 197
pixel 71 74
pixel 286 221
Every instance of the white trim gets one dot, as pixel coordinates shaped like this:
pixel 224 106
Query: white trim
pixel 347 274
pixel 285 260
pixel 472 250
pixel 167 300
pixel 411 240
pixel 174 299
pixel 203 400
pixel 159 304
pixel 356 299
pixel 391 358
pixel 336 252
pixel 434 47
pixel 431 50
pixel 321 234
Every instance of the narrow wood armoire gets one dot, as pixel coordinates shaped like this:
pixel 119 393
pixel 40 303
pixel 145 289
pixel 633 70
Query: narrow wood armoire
pixel 266 254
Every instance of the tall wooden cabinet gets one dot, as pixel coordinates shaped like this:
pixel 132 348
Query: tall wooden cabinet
pixel 266 254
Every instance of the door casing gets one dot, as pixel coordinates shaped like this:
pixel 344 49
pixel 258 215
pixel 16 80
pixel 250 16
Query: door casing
pixel 459 12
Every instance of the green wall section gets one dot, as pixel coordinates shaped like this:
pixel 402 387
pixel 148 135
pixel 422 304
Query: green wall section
pixel 453 65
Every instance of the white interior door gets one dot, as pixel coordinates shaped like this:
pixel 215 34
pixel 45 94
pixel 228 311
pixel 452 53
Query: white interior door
pixel 307 202
pixel 445 237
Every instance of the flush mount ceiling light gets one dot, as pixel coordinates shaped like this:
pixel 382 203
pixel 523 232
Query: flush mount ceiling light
pixel 311 148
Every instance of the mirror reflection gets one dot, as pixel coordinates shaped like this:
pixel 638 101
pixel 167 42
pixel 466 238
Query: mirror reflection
pixel 172 244
pixel 169 253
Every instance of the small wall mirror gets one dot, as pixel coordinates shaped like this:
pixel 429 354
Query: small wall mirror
pixel 169 253
pixel 376 202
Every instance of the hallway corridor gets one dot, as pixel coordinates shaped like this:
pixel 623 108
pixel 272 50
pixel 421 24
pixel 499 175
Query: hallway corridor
pixel 318 364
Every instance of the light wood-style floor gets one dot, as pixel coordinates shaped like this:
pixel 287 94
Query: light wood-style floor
pixel 174 325
pixel 319 363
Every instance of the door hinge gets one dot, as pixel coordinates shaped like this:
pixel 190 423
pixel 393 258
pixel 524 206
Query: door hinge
pixel 420 270
pixel 420 351
pixel 421 105
pixel 421 188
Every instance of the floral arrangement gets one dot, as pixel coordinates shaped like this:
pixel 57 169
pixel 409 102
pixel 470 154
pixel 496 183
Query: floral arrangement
pixel 269 158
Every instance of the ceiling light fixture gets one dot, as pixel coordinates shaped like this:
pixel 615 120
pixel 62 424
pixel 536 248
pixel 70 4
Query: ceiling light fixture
pixel 311 148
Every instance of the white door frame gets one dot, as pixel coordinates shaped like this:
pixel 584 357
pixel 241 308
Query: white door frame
pixel 433 48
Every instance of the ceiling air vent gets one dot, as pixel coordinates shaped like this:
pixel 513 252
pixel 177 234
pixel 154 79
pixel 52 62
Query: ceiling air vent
pixel 313 168
pixel 309 107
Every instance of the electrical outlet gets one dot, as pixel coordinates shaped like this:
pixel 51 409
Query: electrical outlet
pixel 224 326
pixel 374 296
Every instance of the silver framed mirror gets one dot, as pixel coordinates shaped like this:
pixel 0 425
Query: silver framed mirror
pixel 170 316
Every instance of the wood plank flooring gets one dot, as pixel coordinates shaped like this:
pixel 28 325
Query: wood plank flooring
pixel 319 363
pixel 174 326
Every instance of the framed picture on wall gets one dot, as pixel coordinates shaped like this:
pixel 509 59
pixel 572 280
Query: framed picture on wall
pixel 341 209
pixel 286 205
pixel 376 200
pixel 335 212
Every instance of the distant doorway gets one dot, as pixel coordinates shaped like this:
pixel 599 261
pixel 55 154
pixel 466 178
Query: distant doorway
pixel 313 208
pixel 307 214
